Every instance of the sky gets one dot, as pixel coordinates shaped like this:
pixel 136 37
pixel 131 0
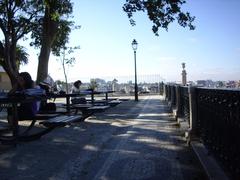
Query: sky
pixel 211 51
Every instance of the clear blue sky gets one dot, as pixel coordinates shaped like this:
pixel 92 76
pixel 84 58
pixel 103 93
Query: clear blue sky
pixel 212 51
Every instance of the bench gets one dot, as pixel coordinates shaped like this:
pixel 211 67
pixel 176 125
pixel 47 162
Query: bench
pixel 98 102
pixel 114 102
pixel 89 107
pixel 98 108
pixel 42 116
pixel 61 121
pixel 81 107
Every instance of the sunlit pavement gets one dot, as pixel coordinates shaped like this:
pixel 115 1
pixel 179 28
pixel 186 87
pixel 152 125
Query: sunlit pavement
pixel 134 140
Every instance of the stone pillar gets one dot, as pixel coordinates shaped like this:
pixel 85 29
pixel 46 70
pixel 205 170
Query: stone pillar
pixel 178 103
pixel 164 91
pixel 184 75
pixel 193 112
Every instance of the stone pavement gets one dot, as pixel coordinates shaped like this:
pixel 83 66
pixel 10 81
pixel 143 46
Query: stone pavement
pixel 134 140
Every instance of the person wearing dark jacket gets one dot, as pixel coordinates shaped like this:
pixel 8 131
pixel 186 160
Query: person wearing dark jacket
pixel 26 110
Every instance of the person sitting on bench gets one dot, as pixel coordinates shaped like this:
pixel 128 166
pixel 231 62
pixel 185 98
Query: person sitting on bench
pixel 76 90
pixel 26 110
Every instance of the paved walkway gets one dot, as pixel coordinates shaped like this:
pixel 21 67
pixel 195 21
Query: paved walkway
pixel 135 140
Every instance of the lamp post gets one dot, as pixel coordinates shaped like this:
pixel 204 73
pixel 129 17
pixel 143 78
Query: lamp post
pixel 134 46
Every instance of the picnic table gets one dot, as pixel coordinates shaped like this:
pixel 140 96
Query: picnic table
pixel 13 101
pixel 87 109
pixel 67 96
pixel 105 92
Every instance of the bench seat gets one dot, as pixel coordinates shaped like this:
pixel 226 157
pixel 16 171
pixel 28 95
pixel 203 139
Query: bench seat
pixel 114 102
pixel 98 108
pixel 81 106
pixel 62 120
pixel 42 116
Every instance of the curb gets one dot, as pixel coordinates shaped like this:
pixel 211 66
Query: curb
pixel 209 164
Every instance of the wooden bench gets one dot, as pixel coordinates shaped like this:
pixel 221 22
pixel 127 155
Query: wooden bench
pixel 88 109
pixel 98 108
pixel 114 102
pixel 81 107
pixel 61 121
pixel 98 102
pixel 42 116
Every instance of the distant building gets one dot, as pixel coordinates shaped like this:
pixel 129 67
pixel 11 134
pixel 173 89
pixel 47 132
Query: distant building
pixel 220 84
pixel 231 84
pixel 205 83
pixel 238 84
pixel 5 83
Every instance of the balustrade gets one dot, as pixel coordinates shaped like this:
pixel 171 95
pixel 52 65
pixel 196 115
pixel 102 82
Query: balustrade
pixel 215 115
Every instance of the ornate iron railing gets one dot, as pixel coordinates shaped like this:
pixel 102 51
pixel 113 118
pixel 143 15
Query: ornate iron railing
pixel 217 116
pixel 184 105
pixel 218 120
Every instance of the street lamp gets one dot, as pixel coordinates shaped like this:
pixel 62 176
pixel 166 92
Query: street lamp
pixel 134 46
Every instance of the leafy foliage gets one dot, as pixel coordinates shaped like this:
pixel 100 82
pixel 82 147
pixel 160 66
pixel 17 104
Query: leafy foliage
pixel 16 19
pixel 93 84
pixel 56 12
pixel 160 12
pixel 21 55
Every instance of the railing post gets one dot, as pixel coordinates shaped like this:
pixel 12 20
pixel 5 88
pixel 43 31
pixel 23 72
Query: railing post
pixel 172 96
pixel 164 91
pixel 169 94
pixel 178 103
pixel 161 88
pixel 193 112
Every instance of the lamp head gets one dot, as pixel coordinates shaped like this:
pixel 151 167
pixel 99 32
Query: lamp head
pixel 134 44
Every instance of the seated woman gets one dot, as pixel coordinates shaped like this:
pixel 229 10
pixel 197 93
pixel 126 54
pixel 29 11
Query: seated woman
pixel 26 110
pixel 76 90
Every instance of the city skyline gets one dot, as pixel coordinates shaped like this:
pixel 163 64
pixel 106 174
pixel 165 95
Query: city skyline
pixel 212 51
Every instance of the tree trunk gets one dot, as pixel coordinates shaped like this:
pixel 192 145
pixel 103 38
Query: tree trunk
pixel 10 61
pixel 50 29
pixel 64 71
pixel 43 60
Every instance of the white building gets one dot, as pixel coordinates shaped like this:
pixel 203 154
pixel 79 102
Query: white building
pixel 5 83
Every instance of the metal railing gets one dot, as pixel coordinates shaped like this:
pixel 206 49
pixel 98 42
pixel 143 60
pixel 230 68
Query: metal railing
pixel 214 117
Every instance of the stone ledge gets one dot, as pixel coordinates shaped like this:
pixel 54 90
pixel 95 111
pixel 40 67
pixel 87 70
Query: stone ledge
pixel 211 167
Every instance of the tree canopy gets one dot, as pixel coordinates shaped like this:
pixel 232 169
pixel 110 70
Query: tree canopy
pixel 160 12
pixel 16 18
pixel 47 20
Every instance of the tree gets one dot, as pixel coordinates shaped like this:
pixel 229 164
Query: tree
pixel 16 19
pixel 46 19
pixel 68 60
pixel 21 56
pixel 160 12
pixel 51 32
pixel 93 84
